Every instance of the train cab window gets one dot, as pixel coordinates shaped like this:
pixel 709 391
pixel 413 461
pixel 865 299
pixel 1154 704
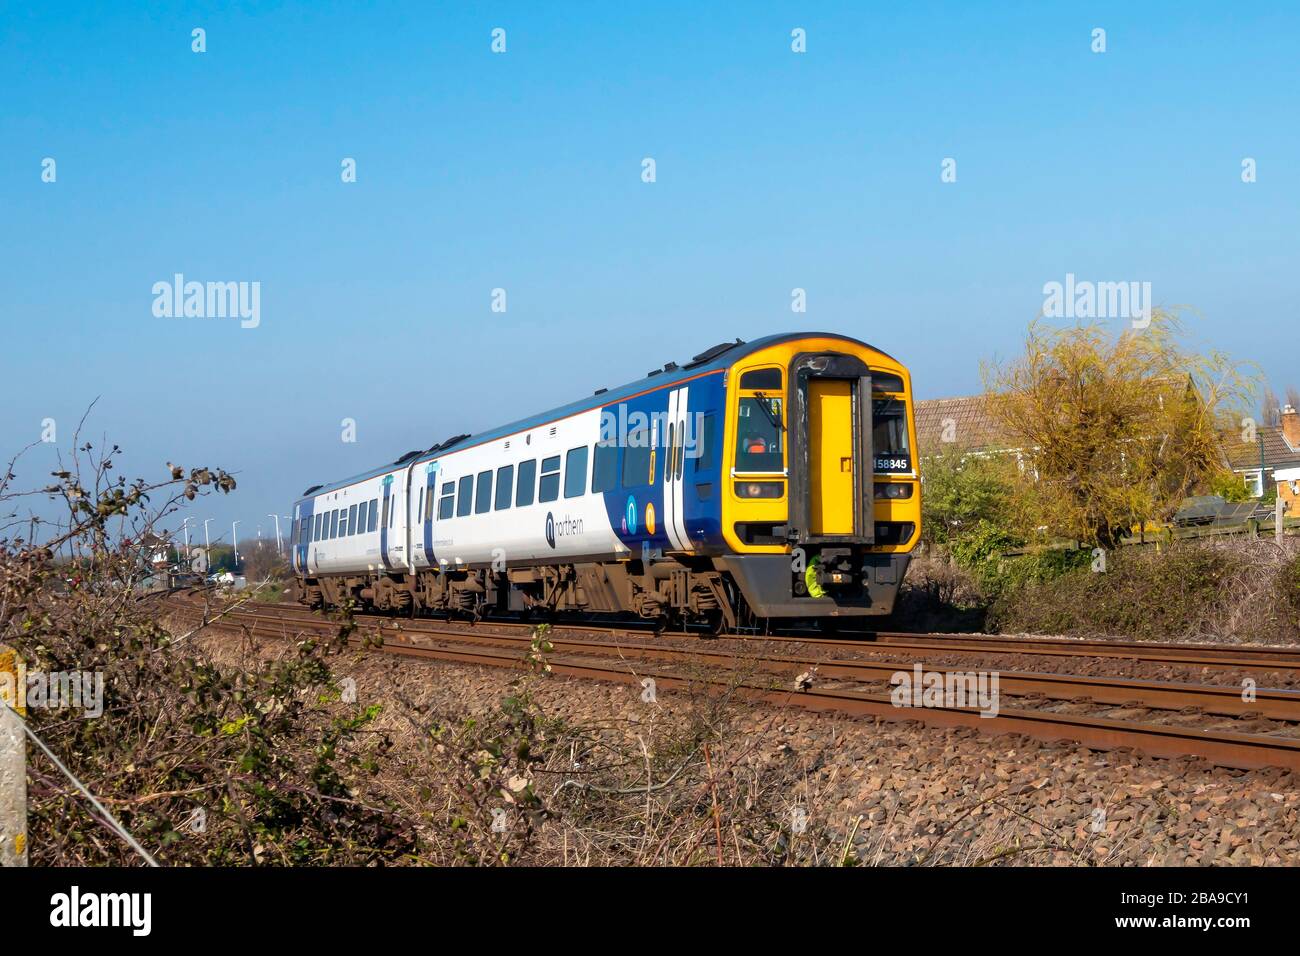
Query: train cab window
pixel 638 459
pixel 604 467
pixel 352 519
pixel 886 382
pixel 374 515
pixel 464 496
pixel 387 509
pixel 447 500
pixel 526 483
pixel 505 485
pixel 483 493
pixel 575 472
pixel 702 451
pixel 549 489
pixel 889 436
pixel 760 436
pixel 766 379
pixel 428 503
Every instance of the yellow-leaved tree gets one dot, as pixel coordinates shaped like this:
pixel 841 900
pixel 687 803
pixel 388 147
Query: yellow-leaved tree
pixel 1112 430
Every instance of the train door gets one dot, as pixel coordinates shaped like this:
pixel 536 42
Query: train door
pixel 674 469
pixel 387 508
pixel 830 456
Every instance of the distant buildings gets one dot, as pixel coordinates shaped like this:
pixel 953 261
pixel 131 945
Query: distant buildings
pixel 1271 460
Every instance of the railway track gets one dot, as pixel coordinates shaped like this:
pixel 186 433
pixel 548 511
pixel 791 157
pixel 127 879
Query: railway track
pixel 1162 718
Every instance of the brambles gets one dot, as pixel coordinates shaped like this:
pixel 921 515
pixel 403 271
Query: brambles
pixel 1222 590
pixel 201 764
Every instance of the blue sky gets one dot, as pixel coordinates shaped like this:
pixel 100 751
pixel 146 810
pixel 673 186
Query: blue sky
pixel 522 171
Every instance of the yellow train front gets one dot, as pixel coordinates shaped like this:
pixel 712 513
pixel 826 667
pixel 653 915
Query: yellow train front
pixel 821 505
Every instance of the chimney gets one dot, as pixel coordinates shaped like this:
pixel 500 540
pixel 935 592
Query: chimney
pixel 1291 427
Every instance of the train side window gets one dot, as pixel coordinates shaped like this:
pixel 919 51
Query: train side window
pixel 637 459
pixel 392 513
pixel 343 522
pixel 604 467
pixel 505 485
pixel 702 450
pixel 387 509
pixel 315 527
pixel 525 484
pixel 334 524
pixel 447 500
pixel 575 472
pixel 428 503
pixel 419 510
pixel 464 496
pixel 352 519
pixel 549 489
pixel 374 515
pixel 483 493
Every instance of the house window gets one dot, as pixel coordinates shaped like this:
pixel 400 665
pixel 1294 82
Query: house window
pixel 1254 483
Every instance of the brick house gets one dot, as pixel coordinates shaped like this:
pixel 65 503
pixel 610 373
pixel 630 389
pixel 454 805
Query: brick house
pixel 1273 458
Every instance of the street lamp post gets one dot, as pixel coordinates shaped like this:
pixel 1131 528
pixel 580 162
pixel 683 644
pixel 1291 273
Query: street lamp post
pixel 235 537
pixel 186 528
pixel 278 546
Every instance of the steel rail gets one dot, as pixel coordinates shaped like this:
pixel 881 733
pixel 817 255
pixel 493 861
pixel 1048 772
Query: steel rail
pixel 1226 748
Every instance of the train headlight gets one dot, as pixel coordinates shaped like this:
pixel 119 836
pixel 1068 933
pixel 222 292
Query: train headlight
pixel 760 489
pixel 893 490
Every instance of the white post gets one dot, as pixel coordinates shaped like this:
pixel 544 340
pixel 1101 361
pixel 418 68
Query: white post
pixel 278 546
pixel 1279 510
pixel 13 760
pixel 187 540
pixel 235 538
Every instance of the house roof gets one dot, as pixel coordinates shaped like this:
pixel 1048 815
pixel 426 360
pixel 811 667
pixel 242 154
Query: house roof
pixel 972 427
pixel 1245 455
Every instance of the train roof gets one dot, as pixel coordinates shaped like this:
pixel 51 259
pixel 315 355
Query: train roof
pixel 714 359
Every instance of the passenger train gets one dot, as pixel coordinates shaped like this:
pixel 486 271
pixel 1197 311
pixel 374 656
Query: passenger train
pixel 760 483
